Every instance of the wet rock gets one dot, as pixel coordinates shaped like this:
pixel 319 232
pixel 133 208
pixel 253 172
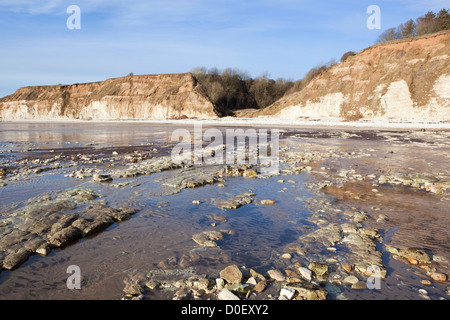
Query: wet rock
pixel 226 294
pixel 416 254
pixel 260 286
pixel 48 207
pixel 65 236
pixel 102 178
pixel 133 286
pixel 197 202
pixel 208 238
pixel 309 291
pixel 305 273
pixel 91 226
pixel 232 274
pixel 392 250
pixel 350 280
pixel 15 259
pixel 240 289
pixel 347 267
pixel 276 275
pixel 3 172
pixel 328 235
pixel 34 243
pixel 12 241
pixel 268 202
pixel 250 173
pixel 319 269
pixel 43 226
pixel 44 249
pixel 438 276
pixel 63 222
pixel 359 285
pixel 235 202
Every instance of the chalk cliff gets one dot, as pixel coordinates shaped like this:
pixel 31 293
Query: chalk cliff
pixel 165 96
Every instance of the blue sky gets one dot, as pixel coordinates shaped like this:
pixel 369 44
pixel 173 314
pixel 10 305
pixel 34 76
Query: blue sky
pixel 284 38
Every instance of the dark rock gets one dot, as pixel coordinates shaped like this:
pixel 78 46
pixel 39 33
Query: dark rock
pixel 65 236
pixel 15 259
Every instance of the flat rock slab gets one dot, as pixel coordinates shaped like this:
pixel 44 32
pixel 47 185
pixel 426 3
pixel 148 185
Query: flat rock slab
pixel 208 238
pixel 235 202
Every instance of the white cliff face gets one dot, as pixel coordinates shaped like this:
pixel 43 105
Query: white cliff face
pixel 328 106
pixel 137 97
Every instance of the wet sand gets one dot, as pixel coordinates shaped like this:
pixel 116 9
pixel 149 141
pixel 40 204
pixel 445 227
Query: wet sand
pixel 328 176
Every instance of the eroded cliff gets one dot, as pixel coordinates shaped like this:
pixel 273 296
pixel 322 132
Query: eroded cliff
pixel 165 96
pixel 407 80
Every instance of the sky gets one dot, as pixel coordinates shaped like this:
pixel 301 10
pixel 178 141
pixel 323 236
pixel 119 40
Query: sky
pixel 281 38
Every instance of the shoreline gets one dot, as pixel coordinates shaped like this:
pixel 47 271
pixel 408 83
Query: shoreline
pixel 282 122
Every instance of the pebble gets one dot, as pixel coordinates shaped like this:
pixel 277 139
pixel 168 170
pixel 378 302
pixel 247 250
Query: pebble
pixel 351 280
pixel 305 273
pixel 260 286
pixel 438 276
pixel 347 267
pixel 276 275
pixel 287 292
pixel 267 202
pixel 359 285
pixel 197 202
pixel 286 256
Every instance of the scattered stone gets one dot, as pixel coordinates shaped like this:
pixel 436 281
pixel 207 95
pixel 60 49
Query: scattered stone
pixel 305 273
pixel 267 202
pixel 438 276
pixel 319 269
pixel 347 267
pixel 197 202
pixel 287 292
pixel 286 256
pixel 208 238
pixel 350 280
pixel 220 283
pixel 309 291
pixel 241 289
pixel 359 285
pixel 250 173
pixel 101 178
pixel 260 286
pixel 235 202
pixel 226 294
pixel 276 275
pixel 416 254
pixel 392 250
pixel 232 274
pixel 3 172
pixel 425 282
pixel 153 284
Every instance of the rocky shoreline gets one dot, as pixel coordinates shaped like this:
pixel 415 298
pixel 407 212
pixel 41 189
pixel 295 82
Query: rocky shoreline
pixel 343 248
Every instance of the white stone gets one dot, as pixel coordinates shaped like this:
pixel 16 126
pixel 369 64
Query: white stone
pixel 287 292
pixel 305 273
pixel 226 294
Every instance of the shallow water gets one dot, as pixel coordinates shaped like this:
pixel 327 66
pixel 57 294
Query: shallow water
pixel 162 229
